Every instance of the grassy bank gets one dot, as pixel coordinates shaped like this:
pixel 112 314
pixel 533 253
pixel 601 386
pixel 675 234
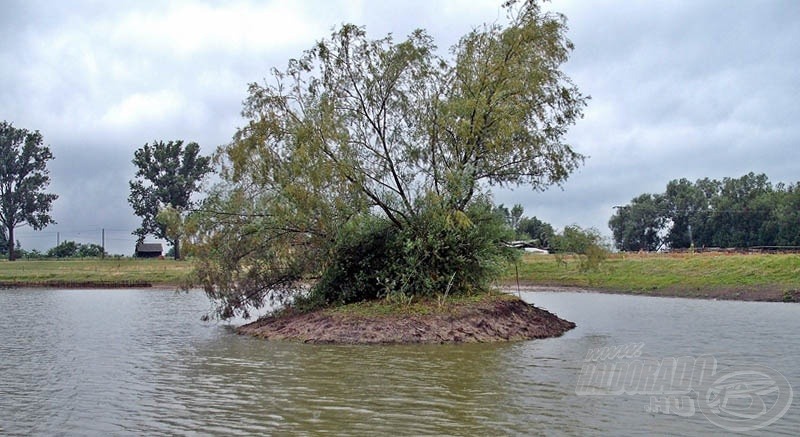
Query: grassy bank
pixel 732 276
pixel 746 277
pixel 38 272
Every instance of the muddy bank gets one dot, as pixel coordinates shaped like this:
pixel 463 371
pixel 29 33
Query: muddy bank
pixel 743 293
pixel 75 284
pixel 502 318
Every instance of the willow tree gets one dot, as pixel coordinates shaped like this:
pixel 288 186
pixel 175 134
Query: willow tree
pixel 386 145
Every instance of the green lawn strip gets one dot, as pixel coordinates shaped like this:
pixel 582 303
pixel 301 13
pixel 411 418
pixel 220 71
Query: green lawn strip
pixel 643 273
pixel 156 272
pixel 628 273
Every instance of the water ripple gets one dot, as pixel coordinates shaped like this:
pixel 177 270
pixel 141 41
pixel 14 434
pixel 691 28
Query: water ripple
pixel 139 362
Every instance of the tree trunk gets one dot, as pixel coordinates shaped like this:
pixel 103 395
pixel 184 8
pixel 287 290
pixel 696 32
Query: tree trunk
pixel 11 256
pixel 176 246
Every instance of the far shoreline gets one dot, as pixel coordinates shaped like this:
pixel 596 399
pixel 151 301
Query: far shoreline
pixel 81 285
pixel 744 277
pixel 742 294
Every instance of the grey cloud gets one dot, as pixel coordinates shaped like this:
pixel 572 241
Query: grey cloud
pixel 679 89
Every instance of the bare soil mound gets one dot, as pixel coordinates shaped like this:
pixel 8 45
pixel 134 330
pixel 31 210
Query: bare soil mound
pixel 499 318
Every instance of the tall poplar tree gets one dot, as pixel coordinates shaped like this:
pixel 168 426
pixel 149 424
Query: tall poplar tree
pixel 167 175
pixel 24 177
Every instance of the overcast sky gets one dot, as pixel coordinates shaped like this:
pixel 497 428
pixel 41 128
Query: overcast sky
pixel 678 89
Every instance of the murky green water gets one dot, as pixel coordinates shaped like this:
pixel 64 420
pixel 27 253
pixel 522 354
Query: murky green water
pixel 140 362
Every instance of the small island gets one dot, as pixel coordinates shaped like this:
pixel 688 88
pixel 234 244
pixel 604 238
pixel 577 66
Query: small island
pixel 364 177
pixel 489 317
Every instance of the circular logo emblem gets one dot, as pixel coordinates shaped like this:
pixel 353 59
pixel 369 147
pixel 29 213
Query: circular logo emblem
pixel 746 399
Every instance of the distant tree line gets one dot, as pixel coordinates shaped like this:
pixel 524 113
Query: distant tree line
pixel 586 244
pixel 537 231
pixel 66 249
pixel 733 212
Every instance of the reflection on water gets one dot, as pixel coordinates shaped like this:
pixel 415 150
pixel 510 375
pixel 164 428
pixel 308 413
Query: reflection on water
pixel 141 362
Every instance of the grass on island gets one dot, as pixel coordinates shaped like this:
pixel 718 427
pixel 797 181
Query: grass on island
pixel 152 271
pixel 684 274
pixel 416 306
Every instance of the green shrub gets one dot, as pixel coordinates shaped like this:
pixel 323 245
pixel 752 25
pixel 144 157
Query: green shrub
pixel 585 244
pixel 359 253
pixel 441 251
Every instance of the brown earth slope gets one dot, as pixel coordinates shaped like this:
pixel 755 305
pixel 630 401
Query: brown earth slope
pixel 498 318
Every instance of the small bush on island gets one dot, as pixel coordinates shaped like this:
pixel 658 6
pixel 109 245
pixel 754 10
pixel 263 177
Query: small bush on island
pixel 373 259
pixel 365 166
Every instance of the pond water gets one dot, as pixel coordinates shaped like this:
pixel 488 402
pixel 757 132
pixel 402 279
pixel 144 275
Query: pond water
pixel 140 362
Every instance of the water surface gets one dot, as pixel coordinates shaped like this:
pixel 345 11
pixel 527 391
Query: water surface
pixel 135 362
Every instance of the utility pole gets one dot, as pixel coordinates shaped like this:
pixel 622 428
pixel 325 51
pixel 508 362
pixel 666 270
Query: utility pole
pixel 103 245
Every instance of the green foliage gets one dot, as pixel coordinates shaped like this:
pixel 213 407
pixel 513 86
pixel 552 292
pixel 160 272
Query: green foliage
pixel 90 250
pixel 585 244
pixel 23 178
pixel 734 212
pixel 512 217
pixel 366 163
pixel 526 228
pixel 444 252
pixel 637 226
pixel 540 232
pixel 177 227
pixel 357 260
pixel 66 249
pixel 31 254
pixel 167 174
pixel 71 249
pixel 449 250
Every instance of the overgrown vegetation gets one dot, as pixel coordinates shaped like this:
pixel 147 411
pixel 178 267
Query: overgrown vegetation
pixel 365 166
pixel 439 253
pixel 585 245
pixel 65 249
